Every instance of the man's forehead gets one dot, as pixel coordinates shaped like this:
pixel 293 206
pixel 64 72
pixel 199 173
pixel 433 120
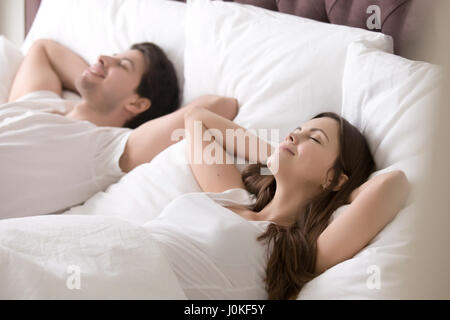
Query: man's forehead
pixel 136 56
pixel 128 54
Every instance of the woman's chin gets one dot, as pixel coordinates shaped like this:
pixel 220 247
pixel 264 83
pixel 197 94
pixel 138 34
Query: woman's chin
pixel 273 163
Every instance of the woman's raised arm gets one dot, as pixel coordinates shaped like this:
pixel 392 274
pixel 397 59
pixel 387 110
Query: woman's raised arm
pixel 212 141
pixel 234 139
pixel 373 206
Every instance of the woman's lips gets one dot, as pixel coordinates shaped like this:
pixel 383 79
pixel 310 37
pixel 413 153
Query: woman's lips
pixel 287 149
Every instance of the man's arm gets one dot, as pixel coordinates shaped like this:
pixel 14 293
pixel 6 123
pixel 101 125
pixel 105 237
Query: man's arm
pixel 154 136
pixel 47 66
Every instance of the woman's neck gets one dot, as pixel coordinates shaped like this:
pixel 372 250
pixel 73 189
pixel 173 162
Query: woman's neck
pixel 284 207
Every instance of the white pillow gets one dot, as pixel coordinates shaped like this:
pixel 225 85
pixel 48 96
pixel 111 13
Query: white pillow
pixel 112 26
pixel 283 69
pixel 392 101
pixel 10 60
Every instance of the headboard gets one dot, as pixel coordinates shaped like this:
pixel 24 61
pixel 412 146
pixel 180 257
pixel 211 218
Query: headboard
pixel 31 8
pixel 407 21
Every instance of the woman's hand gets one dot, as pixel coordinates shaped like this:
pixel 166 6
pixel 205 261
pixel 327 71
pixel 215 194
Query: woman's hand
pixel 234 139
pixel 222 106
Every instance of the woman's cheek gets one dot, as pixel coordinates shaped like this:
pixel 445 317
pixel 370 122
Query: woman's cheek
pixel 310 161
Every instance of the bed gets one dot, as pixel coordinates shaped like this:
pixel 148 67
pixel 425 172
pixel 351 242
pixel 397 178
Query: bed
pixel 364 61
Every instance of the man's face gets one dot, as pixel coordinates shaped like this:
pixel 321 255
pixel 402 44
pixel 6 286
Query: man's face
pixel 113 80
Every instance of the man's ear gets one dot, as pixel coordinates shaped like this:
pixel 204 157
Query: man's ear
pixel 138 106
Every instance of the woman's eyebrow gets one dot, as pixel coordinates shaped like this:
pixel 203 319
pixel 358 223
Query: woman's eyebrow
pixel 315 129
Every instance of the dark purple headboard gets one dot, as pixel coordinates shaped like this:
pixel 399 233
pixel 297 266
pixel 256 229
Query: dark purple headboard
pixel 407 21
pixel 31 8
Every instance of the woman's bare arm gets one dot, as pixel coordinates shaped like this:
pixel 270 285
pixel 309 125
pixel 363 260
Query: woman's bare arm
pixel 365 185
pixel 234 139
pixel 212 160
pixel 373 206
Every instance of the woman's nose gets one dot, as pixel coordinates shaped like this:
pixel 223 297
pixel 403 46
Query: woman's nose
pixel 291 138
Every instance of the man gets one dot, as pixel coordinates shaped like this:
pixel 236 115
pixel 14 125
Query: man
pixel 56 153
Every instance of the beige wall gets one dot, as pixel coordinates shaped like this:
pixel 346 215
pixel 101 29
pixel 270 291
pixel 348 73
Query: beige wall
pixel 431 269
pixel 12 20
pixel 439 189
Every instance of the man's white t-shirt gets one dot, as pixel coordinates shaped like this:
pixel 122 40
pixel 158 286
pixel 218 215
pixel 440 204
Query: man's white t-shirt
pixel 49 162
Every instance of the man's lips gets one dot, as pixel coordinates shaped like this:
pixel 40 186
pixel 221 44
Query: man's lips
pixel 96 71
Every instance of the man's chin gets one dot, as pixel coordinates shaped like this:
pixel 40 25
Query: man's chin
pixel 84 85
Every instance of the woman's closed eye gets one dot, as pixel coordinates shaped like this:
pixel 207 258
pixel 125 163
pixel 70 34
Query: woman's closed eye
pixel 316 140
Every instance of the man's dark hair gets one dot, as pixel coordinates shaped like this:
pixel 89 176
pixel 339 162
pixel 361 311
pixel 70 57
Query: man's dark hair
pixel 159 84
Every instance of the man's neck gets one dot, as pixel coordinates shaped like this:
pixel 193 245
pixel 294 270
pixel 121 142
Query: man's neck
pixel 82 111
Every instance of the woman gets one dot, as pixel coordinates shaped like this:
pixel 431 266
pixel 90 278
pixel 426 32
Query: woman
pixel 319 167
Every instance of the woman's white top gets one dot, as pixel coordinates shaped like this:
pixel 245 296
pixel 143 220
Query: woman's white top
pixel 214 252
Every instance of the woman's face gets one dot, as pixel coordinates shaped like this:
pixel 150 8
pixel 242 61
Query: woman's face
pixel 306 154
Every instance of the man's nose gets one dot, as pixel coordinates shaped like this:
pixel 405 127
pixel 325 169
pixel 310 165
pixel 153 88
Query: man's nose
pixel 105 61
pixel 101 60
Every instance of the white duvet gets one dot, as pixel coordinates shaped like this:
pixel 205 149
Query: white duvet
pixel 82 257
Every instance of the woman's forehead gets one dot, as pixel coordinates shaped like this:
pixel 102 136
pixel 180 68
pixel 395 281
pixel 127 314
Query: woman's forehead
pixel 324 123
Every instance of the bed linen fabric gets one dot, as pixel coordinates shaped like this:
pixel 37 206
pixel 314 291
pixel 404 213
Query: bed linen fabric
pixel 278 66
pixel 10 60
pixel 213 251
pixel 79 257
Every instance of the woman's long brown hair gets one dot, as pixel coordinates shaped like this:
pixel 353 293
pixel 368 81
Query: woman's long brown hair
pixel 292 250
